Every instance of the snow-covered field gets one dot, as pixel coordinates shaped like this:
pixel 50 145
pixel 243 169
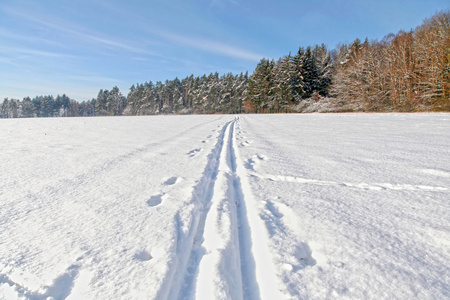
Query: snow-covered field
pixel 329 206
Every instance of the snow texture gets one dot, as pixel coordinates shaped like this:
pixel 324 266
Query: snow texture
pixel 335 206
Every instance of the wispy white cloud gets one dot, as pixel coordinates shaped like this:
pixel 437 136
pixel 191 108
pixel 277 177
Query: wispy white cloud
pixel 223 2
pixel 9 61
pixel 95 79
pixel 11 35
pixel 49 54
pixel 79 32
pixel 212 46
pixel 78 88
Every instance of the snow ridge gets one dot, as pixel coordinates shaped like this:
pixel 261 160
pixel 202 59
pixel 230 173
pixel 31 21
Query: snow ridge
pixel 361 185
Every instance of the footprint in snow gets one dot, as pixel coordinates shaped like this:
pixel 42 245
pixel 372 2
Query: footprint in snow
pixel 194 152
pixel 171 181
pixel 261 156
pixel 155 200
pixel 62 285
pixel 251 163
pixel 304 255
pixel 143 255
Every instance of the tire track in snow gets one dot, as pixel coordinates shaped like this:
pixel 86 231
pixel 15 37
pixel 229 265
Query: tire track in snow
pixel 225 254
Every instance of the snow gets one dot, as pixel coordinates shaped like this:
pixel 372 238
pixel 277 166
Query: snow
pixel 319 206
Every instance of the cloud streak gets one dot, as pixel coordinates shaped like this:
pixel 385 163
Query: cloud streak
pixel 11 50
pixel 211 46
pixel 79 32
pixel 95 78
pixel 78 87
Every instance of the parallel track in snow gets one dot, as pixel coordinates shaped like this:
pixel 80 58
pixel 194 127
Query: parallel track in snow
pixel 225 254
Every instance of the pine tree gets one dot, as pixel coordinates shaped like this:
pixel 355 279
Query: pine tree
pixel 5 112
pixel 27 108
pixel 283 88
pixel 101 108
pixel 261 86
pixel 324 66
pixel 310 73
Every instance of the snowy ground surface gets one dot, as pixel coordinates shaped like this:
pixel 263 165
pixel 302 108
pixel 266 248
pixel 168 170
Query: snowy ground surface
pixel 346 206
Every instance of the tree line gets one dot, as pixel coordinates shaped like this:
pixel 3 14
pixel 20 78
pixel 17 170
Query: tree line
pixel 407 71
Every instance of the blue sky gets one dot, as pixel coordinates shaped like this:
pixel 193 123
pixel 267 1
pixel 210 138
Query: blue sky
pixel 77 47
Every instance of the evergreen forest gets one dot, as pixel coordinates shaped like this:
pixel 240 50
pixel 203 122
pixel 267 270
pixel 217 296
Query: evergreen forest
pixel 404 72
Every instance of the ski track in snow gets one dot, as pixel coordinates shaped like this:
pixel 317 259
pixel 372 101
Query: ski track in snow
pixel 228 256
